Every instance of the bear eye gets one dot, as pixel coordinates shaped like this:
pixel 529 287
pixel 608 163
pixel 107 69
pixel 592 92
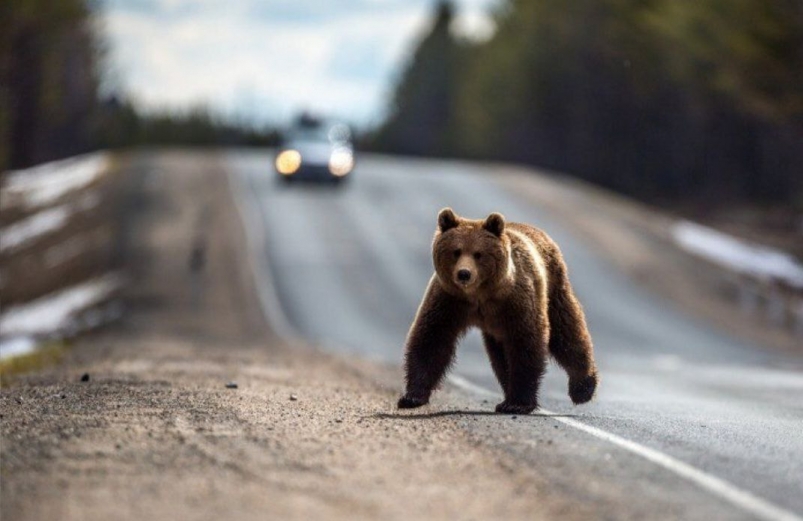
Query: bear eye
pixel 457 253
pixel 477 255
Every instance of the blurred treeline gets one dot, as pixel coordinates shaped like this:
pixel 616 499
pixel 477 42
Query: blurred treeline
pixel 51 59
pixel 666 100
pixel 121 124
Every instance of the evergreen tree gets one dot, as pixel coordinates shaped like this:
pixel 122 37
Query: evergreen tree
pixel 48 80
pixel 656 98
pixel 422 112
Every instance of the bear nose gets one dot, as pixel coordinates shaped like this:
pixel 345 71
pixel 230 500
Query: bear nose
pixel 464 275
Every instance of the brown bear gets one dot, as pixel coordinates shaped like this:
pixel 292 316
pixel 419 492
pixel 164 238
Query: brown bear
pixel 510 281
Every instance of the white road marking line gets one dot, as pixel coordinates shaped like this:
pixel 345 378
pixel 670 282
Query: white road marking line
pixel 276 317
pixel 718 487
pixel 266 288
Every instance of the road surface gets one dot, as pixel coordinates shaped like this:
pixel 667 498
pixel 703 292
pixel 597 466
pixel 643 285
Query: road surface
pixel 685 410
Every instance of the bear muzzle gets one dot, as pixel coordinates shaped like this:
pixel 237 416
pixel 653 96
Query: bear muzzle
pixel 465 274
pixel 465 279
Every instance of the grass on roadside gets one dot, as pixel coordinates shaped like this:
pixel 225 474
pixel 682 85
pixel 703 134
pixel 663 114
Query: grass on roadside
pixel 44 356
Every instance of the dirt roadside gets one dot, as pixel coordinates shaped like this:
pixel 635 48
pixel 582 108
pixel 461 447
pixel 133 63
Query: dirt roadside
pixel 156 434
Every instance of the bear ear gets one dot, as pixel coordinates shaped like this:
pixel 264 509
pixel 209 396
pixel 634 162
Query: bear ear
pixel 447 219
pixel 495 223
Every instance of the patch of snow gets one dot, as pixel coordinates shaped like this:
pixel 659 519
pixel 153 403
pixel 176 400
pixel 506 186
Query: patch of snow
pixel 46 183
pixel 751 259
pixel 16 346
pixel 24 230
pixel 17 234
pixel 55 312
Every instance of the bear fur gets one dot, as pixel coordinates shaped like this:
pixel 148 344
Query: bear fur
pixel 510 281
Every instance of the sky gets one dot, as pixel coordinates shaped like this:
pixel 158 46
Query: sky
pixel 264 61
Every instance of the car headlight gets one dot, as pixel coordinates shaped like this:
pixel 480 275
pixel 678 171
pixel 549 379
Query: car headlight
pixel 288 162
pixel 341 162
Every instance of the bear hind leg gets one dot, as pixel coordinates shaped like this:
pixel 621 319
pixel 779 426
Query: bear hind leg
pixel 581 390
pixel 570 344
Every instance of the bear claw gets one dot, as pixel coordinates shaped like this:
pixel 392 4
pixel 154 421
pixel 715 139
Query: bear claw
pixel 582 390
pixel 515 408
pixel 409 402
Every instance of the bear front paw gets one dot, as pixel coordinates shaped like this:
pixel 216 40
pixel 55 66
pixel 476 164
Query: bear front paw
pixel 515 408
pixel 411 402
pixel 581 390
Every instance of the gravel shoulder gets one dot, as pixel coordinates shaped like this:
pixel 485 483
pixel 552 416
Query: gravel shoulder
pixel 156 434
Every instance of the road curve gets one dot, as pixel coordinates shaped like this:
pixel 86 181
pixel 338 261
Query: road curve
pixel 350 265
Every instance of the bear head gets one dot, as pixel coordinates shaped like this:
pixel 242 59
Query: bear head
pixel 471 256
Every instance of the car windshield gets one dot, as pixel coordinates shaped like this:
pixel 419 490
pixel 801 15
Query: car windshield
pixel 319 132
pixel 314 134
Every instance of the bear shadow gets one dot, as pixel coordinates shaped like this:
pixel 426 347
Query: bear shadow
pixel 453 412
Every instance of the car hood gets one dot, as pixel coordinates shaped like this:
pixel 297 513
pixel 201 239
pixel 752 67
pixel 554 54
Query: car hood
pixel 315 153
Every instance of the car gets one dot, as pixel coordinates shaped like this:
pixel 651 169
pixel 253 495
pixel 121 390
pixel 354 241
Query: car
pixel 315 150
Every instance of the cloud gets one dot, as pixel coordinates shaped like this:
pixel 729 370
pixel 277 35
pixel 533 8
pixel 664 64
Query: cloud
pixel 265 61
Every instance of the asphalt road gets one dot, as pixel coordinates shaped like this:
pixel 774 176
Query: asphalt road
pixel 350 265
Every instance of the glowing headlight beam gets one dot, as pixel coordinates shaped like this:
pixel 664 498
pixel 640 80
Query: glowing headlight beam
pixel 288 162
pixel 341 162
